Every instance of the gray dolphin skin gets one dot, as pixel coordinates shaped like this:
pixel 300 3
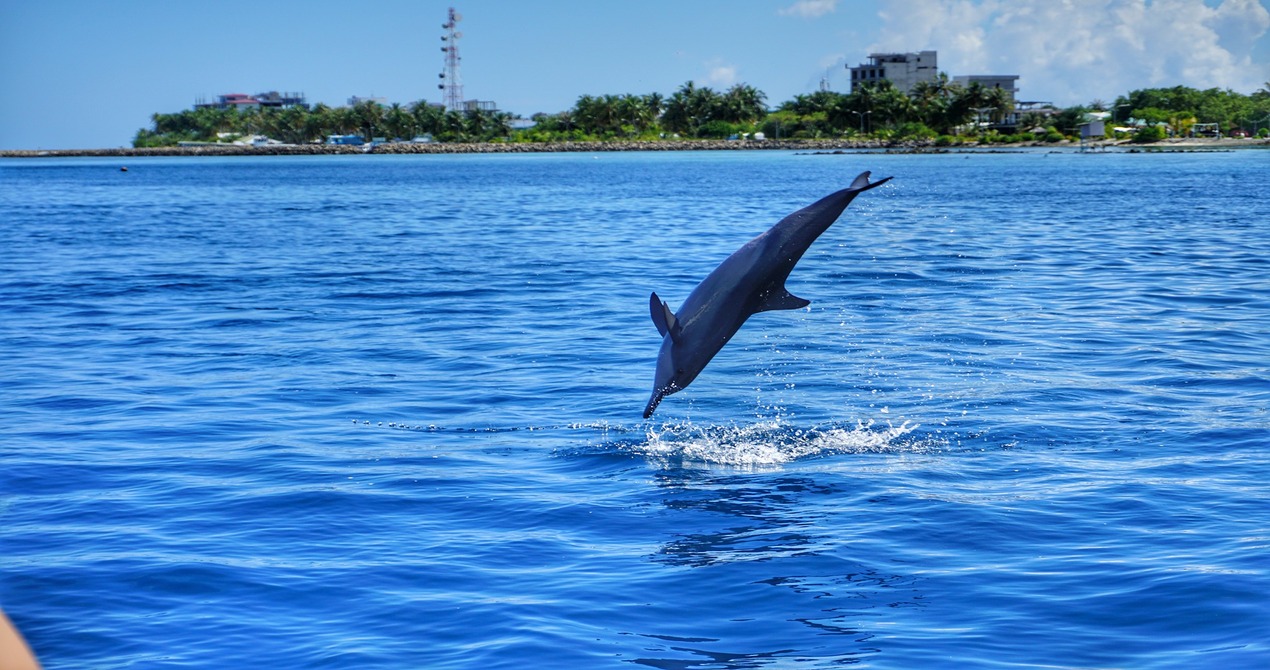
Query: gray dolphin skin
pixel 750 281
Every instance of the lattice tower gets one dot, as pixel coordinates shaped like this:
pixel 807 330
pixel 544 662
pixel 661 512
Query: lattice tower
pixel 451 83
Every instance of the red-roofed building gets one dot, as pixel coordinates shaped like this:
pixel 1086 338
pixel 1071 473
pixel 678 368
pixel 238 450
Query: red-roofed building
pixel 243 101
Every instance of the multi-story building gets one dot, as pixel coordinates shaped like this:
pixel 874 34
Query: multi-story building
pixel 902 69
pixel 1005 82
pixel 906 70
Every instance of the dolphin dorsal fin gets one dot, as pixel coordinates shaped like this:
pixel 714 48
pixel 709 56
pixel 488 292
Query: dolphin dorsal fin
pixel 663 318
pixel 780 298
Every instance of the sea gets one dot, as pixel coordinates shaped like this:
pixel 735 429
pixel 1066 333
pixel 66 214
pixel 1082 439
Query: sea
pixel 385 412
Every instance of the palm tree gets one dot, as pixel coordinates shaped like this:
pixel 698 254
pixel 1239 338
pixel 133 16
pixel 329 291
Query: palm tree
pixel 628 111
pixel 1001 104
pixel 609 118
pixel 499 125
pixel 454 127
pixel 891 104
pixel 249 121
pixel 287 125
pixel 933 102
pixel 428 118
pixel 319 122
pixel 399 123
pixel 346 120
pixel 743 104
pixel 854 110
pixel 815 103
pixel 969 104
pixel 678 117
pixel 369 117
pixel 654 104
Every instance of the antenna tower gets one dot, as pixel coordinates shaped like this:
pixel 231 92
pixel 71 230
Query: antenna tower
pixel 451 83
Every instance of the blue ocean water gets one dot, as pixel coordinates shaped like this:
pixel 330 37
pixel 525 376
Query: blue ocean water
pixel 384 412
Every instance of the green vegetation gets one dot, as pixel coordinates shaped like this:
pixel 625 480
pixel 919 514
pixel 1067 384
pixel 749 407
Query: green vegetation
pixel 297 125
pixel 1181 108
pixel 941 111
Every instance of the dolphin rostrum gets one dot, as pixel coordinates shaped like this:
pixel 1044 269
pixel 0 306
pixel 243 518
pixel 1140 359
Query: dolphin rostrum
pixel 750 281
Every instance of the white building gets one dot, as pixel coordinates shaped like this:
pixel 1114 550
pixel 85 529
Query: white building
pixel 1005 82
pixel 902 69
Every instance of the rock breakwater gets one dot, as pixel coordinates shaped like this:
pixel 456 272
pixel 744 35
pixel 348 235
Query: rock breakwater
pixel 462 148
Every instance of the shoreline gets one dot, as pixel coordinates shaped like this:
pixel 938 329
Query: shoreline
pixel 398 148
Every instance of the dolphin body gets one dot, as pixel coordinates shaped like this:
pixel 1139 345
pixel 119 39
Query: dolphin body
pixel 750 281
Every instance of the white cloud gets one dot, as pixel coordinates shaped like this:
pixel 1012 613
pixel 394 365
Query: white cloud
pixel 1074 51
pixel 809 9
pixel 720 74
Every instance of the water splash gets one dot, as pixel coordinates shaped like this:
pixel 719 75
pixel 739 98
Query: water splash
pixel 771 443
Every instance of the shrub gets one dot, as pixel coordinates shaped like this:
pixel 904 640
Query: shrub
pixel 1149 134
pixel 914 131
pixel 717 129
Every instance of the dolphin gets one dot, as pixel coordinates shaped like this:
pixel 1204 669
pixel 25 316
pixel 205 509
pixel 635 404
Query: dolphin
pixel 750 281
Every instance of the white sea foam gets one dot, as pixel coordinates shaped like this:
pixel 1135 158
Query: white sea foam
pixel 770 443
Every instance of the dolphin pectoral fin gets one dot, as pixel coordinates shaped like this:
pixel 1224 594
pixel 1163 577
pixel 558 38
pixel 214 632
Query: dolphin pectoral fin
pixel 658 314
pixel 672 324
pixel 779 298
pixel 663 318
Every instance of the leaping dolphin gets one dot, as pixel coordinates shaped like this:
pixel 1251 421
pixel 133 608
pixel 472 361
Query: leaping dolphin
pixel 750 281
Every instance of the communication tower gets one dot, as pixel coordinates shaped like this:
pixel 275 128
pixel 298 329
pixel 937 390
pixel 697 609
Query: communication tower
pixel 451 83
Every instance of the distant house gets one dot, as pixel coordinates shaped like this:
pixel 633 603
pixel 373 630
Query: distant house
pixel 232 101
pixel 284 100
pixel 242 101
pixel 480 106
pixel 353 101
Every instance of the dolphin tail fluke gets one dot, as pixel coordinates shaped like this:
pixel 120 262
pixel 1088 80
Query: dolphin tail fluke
pixel 862 183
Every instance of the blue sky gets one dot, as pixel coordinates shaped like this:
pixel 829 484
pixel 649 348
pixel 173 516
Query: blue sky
pixel 89 73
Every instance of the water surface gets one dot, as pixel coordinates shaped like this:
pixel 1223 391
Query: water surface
pixel 384 412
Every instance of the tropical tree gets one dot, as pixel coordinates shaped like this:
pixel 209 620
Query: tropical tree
pixel 690 108
pixel 368 117
pixel 653 106
pixel 319 122
pixel 890 105
pixel 999 103
pixel 428 118
pixel 931 102
pixel 287 125
pixel 399 122
pixel 742 104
